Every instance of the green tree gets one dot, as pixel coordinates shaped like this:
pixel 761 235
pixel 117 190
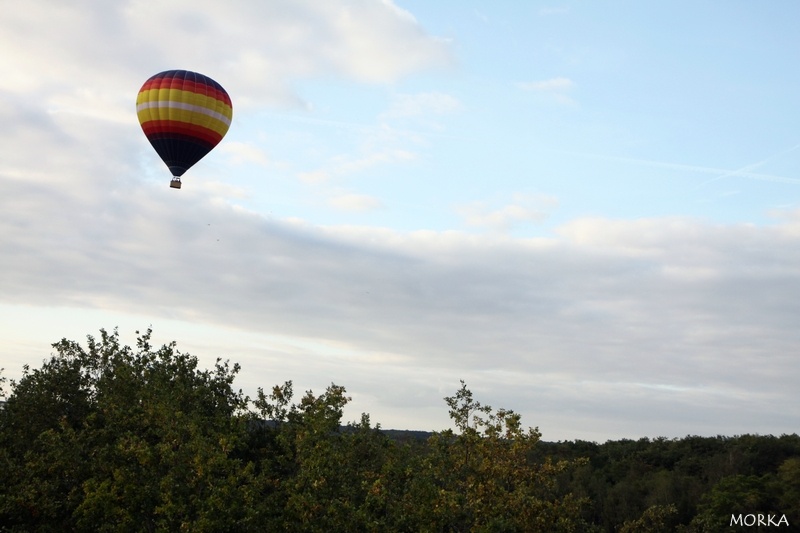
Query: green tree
pixel 483 479
pixel 111 438
pixel 655 519
pixel 3 381
pixel 317 474
pixel 105 437
pixel 739 494
pixel 788 480
pixel 40 481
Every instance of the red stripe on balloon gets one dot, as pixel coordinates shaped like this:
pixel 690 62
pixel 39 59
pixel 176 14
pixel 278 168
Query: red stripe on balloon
pixel 199 87
pixel 157 127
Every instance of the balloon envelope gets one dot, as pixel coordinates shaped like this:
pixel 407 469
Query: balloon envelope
pixel 184 115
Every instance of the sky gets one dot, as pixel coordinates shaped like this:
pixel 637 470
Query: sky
pixel 587 211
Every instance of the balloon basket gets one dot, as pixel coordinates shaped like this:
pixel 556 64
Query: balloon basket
pixel 175 183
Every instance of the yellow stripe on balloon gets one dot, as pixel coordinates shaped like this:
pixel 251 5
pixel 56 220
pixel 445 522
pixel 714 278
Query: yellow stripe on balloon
pixel 218 124
pixel 177 95
pixel 184 106
pixel 169 106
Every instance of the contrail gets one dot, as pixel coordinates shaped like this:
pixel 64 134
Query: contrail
pixel 744 172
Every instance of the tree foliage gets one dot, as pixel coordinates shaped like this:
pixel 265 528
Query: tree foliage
pixel 482 478
pixel 106 437
pixel 693 484
pixel 111 438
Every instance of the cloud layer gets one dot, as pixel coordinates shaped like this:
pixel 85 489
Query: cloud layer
pixel 670 311
pixel 257 48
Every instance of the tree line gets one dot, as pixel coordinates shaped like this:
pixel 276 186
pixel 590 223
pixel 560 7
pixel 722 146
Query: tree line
pixel 108 437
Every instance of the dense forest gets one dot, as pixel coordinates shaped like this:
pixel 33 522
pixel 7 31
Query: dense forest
pixel 107 437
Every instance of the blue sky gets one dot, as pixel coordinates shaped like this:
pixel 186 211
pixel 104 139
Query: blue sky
pixel 587 211
pixel 608 110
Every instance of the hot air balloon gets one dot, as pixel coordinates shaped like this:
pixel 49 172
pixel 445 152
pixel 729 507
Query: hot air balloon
pixel 184 115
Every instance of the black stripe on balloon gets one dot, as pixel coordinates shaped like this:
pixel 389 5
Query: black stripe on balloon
pixel 179 154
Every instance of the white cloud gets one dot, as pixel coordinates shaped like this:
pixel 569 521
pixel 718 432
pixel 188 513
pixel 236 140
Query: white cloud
pixel 314 176
pixel 551 85
pixel 242 153
pixel 255 49
pixel 704 315
pixel 355 202
pixel 384 143
pixel 218 189
pixel 522 208
pixel 420 104
pixel 689 308
pixel 555 88
pixel 344 165
pixel 372 32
